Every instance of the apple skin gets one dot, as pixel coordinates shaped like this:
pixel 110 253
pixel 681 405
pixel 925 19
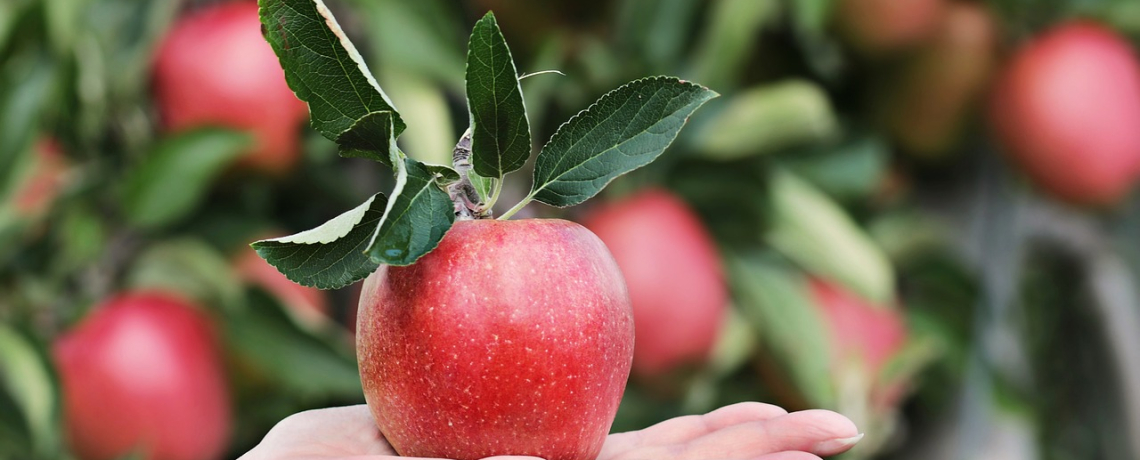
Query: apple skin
pixel 215 68
pixel 1067 110
pixel 862 333
pixel 510 338
pixel 674 275
pixel 882 27
pixel 143 372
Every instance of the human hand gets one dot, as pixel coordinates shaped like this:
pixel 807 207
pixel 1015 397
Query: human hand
pixel 752 431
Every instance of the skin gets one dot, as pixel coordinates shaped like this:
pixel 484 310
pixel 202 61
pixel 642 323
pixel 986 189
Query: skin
pixel 511 336
pixel 752 431
pixel 679 295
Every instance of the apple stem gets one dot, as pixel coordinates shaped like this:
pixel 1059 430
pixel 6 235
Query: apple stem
pixel 517 207
pixel 468 204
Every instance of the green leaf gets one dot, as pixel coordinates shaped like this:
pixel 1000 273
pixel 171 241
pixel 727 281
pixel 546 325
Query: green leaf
pixel 25 376
pixel 500 133
pixel 26 87
pixel 728 40
pixel 483 186
pixel 812 230
pixel 370 137
pixel 624 130
pixel 322 66
pixel 444 175
pixel 777 303
pixel 417 217
pixel 189 266
pixel 173 179
pixel 769 118
pixel 330 256
pixel 852 170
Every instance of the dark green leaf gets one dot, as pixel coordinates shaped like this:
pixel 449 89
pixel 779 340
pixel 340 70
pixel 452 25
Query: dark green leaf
pixel 417 217
pixel 370 137
pixel 174 178
pixel 322 66
pixel 624 130
pixel 26 86
pixel 26 377
pixel 330 256
pixel 500 136
pixel 444 175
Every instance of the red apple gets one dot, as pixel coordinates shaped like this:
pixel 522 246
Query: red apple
pixel 877 27
pixel 142 374
pixel 861 334
pixel 674 276
pixel 1067 111
pixel 511 337
pixel 307 304
pixel 215 68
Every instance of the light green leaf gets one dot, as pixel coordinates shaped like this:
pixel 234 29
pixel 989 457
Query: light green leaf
pixel 777 303
pixel 769 118
pixel 483 186
pixel 728 39
pixel 189 266
pixel 624 130
pixel 370 137
pixel 26 377
pixel 417 216
pixel 174 178
pixel 332 255
pixel 812 230
pixel 500 133
pixel 322 66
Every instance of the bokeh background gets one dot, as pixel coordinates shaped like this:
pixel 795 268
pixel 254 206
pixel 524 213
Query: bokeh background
pixel 915 212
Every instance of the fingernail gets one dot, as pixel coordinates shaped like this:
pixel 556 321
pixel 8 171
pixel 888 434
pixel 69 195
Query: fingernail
pixel 835 446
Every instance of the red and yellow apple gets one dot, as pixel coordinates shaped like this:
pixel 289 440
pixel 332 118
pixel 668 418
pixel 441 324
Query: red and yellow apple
pixel 142 374
pixel 674 276
pixel 510 338
pixel 1067 111
pixel 215 68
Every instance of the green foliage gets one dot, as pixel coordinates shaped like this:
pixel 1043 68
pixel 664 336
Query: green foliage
pixel 173 179
pixel 624 130
pixel 416 218
pixel 500 132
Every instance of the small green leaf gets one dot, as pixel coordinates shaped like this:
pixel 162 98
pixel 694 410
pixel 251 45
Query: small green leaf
pixel 322 66
pixel 173 179
pixel 777 303
pixel 370 137
pixel 444 175
pixel 767 119
pixel 26 377
pixel 812 230
pixel 330 256
pixel 417 217
pixel 624 130
pixel 500 133
pixel 483 186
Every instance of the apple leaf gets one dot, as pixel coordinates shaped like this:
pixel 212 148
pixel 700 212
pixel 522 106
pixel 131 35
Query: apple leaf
pixel 500 135
pixel 815 232
pixel 775 300
pixel 330 256
pixel 173 179
pixel 624 130
pixel 370 137
pixel 323 67
pixel 26 377
pixel 418 215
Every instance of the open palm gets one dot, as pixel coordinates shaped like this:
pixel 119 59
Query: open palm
pixel 740 431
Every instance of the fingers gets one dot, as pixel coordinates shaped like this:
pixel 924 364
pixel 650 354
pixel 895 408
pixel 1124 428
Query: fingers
pixel 816 431
pixel 789 456
pixel 683 429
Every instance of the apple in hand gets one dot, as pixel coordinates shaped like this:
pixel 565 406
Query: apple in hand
pixel 1067 111
pixel 142 374
pixel 862 335
pixel 673 272
pixel 510 337
pixel 215 68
